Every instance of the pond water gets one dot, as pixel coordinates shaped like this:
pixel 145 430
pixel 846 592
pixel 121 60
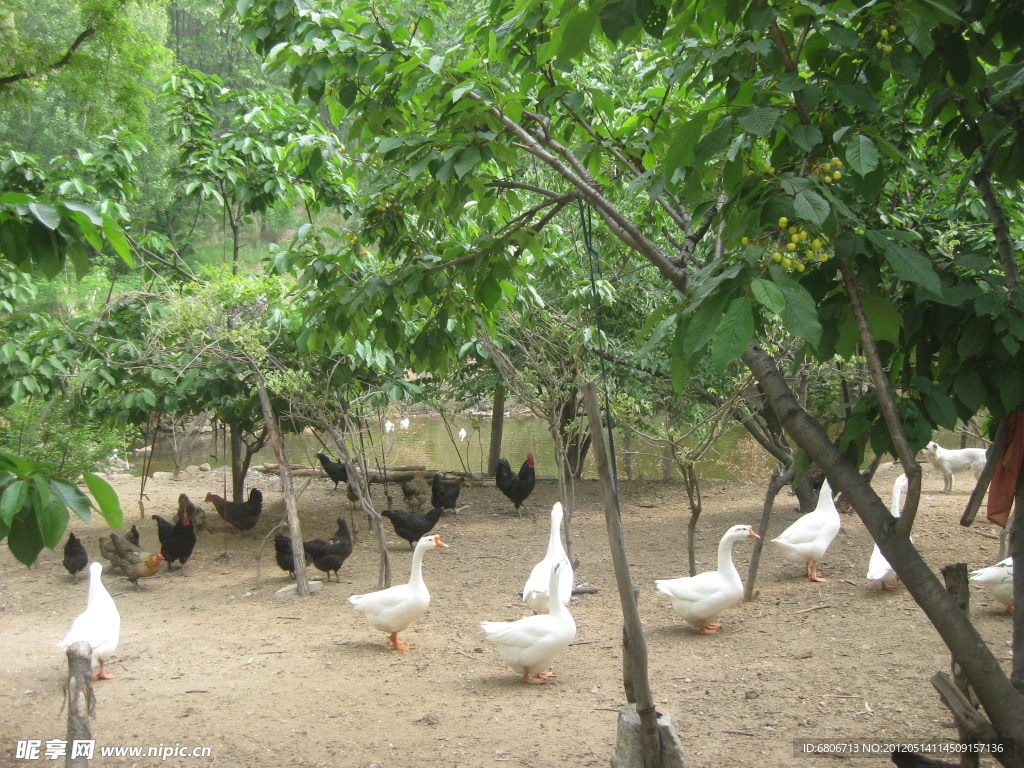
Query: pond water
pixel 431 442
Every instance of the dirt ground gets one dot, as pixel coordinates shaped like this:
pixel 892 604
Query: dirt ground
pixel 214 659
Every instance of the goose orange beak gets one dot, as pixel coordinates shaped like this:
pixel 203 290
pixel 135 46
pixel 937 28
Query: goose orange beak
pixel 438 542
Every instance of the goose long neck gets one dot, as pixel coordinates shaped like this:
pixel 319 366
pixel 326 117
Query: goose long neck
pixel 555 536
pixel 725 564
pixel 555 605
pixel 897 491
pixel 416 575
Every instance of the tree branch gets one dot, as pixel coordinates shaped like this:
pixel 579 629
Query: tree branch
pixel 58 64
pixel 881 384
pixel 1003 703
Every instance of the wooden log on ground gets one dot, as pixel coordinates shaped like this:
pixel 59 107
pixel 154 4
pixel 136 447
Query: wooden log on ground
pixel 81 701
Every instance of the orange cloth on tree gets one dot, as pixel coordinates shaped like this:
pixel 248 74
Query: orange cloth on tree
pixel 1004 481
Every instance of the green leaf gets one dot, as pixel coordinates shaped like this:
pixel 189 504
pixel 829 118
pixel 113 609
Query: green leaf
pixel 760 121
pixel 24 537
pixel 45 214
pixel 883 317
pixel 73 498
pixel 768 294
pixel 489 293
pixel 799 314
pixel 807 137
pixel 87 210
pixel 701 328
pixel 106 499
pixel 53 520
pixel 467 160
pixel 909 265
pixel 940 408
pixel 811 206
pixel 680 153
pixel 576 32
pixel 861 154
pixel 115 236
pixel 617 16
pixel 734 333
pixel 13 500
pixel 971 389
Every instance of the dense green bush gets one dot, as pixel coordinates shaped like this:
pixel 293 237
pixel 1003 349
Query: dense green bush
pixel 54 432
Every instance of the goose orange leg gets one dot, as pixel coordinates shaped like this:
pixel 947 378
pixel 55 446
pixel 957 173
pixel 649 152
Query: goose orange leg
pixel 704 628
pixel 812 572
pixel 101 675
pixel 397 644
pixel 540 679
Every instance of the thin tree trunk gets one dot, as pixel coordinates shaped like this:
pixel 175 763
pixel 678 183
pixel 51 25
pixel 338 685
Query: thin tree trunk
pixel 291 512
pixel 778 481
pixel 359 486
pixel 627 454
pixel 497 427
pixel 634 643
pixel 1017 553
pixel 1002 702
pixel 1000 229
pixel 955 578
pixel 693 494
pixel 237 476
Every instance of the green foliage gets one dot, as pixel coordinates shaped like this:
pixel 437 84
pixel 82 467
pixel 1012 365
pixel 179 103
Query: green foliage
pixel 56 433
pixel 729 121
pixel 34 505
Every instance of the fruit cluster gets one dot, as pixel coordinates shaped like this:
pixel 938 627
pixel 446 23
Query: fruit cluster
pixel 887 40
pixel 829 171
pixel 793 247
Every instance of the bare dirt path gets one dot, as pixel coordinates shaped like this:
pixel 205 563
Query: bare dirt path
pixel 213 659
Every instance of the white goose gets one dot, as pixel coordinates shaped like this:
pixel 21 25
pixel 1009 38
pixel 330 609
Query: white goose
pixel 530 644
pixel 535 593
pixel 806 540
pixel 392 610
pixel 702 597
pixel 878 567
pixel 99 624
pixel 999 580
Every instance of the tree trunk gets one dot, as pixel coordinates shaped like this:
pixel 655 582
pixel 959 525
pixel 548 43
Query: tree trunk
pixel 291 512
pixel 359 486
pixel 955 578
pixel 779 480
pixel 634 643
pixel 692 484
pixel 237 475
pixel 1002 702
pixel 497 427
pixel 81 701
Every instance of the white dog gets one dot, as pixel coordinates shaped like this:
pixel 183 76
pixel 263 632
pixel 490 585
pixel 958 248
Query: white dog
pixel 957 460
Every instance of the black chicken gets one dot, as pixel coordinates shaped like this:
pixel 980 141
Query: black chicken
pixel 75 556
pixel 330 554
pixel 334 469
pixel 410 526
pixel 516 487
pixel 283 553
pixel 242 514
pixel 445 493
pixel 904 758
pixel 197 515
pixel 134 537
pixel 177 540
